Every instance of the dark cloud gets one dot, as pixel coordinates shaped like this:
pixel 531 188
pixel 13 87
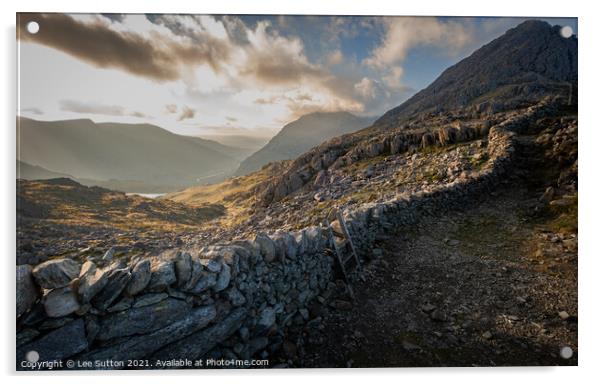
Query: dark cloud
pixel 187 113
pixel 115 17
pixel 97 109
pixel 158 58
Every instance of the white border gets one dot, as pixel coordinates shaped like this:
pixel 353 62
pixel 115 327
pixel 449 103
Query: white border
pixel 590 140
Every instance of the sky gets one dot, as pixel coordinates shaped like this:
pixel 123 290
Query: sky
pixel 213 75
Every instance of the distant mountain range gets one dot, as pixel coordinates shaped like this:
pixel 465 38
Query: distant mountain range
pixel 301 135
pixel 121 156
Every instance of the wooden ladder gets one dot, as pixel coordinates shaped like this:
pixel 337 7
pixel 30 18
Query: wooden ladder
pixel 339 239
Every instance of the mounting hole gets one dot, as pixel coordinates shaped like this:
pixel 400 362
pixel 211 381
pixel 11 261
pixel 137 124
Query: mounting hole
pixel 566 352
pixel 32 356
pixel 33 27
pixel 566 31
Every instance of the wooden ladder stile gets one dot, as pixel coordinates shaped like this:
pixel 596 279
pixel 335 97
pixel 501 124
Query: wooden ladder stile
pixel 339 249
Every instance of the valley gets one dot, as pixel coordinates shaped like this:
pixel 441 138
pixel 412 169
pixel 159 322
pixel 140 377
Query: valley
pixel 461 203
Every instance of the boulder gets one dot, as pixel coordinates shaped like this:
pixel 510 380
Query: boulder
pixel 267 318
pixel 162 276
pixel 149 299
pixel 58 344
pixel 60 302
pixel 198 344
pixel 266 247
pixel 235 297
pixel 55 273
pixel 141 275
pixel 91 281
pixel 142 346
pixel 143 319
pixel 118 279
pixel 205 281
pixel 27 292
pixel 195 274
pixel 223 279
pixel 183 266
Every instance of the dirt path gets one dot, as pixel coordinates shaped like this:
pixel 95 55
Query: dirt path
pixel 485 286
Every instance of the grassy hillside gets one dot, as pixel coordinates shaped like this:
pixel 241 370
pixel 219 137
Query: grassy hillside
pixel 111 151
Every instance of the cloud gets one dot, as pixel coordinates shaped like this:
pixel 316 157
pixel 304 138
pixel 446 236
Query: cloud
pixel 97 109
pixel 393 79
pixel 158 57
pixel 335 58
pixel 187 113
pixel 405 33
pixel 366 88
pixel 171 108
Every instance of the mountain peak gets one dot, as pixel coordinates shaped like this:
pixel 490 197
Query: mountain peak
pixel 523 65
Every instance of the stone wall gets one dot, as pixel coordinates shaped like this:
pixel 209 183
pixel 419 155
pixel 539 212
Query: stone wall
pixel 230 300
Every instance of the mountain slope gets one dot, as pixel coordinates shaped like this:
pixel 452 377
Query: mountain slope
pixel 111 151
pixel 34 172
pixel 530 66
pixel 301 135
pixel 528 61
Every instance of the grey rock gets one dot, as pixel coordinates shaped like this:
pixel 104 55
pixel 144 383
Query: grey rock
pixel 223 279
pixel 149 299
pixel 266 247
pixel 235 297
pixel 315 239
pixel 92 328
pixel 141 275
pixel 60 302
pixel 142 346
pixel 108 256
pixel 142 320
pixel 199 343
pixel 183 265
pixel 25 336
pixel 27 292
pixel 91 281
pixel 58 344
pixel 121 305
pixel 206 280
pixel 118 279
pixel 55 273
pixel 212 265
pixel 162 276
pixel 195 274
pixel 267 318
pixel 53 323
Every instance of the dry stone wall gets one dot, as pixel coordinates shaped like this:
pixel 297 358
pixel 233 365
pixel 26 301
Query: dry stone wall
pixel 236 297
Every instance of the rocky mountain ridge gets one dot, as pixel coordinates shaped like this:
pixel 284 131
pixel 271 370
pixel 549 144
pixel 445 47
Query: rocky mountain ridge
pixel 302 134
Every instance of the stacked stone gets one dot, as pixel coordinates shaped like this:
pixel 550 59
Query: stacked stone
pixel 229 300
